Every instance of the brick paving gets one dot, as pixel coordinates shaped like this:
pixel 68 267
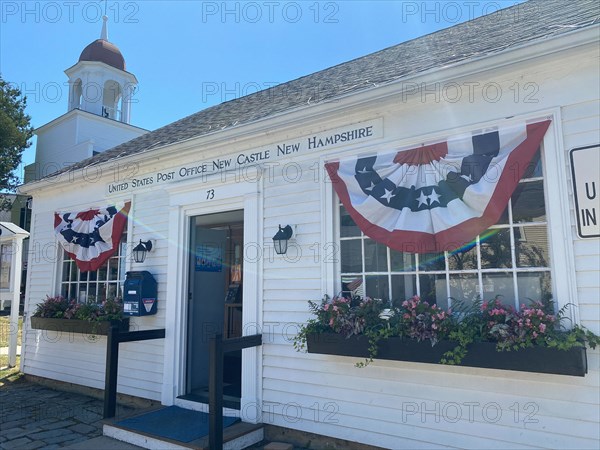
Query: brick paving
pixel 33 416
pixel 37 417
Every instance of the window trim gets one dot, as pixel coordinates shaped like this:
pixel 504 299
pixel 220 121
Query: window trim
pixel 559 215
pixel 122 268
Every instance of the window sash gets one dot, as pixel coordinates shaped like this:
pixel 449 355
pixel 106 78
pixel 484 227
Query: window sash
pixel 96 286
pixel 515 268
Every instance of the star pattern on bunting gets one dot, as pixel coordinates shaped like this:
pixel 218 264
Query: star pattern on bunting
pixel 370 188
pixel 440 196
pixel 433 197
pixel 422 199
pixel 388 195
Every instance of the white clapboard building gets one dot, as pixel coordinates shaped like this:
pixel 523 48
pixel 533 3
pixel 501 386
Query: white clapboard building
pixel 210 191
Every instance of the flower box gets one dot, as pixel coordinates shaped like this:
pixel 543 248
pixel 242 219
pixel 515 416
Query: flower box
pixel 480 354
pixel 77 326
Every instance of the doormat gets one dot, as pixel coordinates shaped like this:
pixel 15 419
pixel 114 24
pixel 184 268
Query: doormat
pixel 173 422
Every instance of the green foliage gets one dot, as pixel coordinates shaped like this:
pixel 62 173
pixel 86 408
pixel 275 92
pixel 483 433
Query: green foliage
pixel 52 307
pixel 467 327
pixel 15 132
pixel 61 308
pixel 347 316
pixel 535 324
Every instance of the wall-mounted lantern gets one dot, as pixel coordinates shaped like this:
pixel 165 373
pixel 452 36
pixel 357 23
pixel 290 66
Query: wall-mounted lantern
pixel 281 238
pixel 140 250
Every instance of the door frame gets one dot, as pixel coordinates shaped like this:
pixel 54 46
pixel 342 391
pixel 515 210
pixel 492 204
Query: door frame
pixel 195 198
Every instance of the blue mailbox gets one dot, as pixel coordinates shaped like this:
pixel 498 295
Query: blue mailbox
pixel 139 294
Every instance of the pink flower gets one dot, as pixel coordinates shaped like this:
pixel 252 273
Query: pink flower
pixel 326 307
pixel 542 327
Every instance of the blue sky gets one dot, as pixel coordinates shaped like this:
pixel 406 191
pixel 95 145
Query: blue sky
pixel 188 55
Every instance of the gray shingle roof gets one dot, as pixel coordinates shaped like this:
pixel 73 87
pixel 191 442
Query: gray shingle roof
pixel 530 21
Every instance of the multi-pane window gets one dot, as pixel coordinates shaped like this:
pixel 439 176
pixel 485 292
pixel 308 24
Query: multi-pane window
pixel 5 265
pixel 98 285
pixel 510 259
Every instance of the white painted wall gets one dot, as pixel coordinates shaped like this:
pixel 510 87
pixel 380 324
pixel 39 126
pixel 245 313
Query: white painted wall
pixel 76 136
pixel 532 410
pixel 368 403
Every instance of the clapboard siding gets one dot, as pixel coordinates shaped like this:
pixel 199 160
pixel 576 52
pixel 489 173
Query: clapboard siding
pixel 382 405
pixel 373 404
pixel 489 382
pixel 431 387
pixel 73 358
pixel 581 110
pixel 370 400
pixel 581 127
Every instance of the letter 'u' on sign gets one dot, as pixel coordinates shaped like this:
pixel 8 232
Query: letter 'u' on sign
pixel 585 166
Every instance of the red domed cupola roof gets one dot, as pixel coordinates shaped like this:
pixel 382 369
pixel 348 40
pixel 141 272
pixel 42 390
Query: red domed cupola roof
pixel 103 51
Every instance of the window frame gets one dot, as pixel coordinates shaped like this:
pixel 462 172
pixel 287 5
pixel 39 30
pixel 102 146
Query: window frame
pixel 558 212
pixel 122 255
pixel 478 272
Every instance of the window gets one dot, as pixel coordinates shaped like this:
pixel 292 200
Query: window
pixel 99 285
pixel 510 259
pixel 5 265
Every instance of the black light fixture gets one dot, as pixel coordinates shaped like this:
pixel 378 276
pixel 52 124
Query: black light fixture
pixel 280 240
pixel 140 250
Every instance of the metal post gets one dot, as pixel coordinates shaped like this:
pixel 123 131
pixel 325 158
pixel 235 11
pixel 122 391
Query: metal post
pixel 110 378
pixel 215 393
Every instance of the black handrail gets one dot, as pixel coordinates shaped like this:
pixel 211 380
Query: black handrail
pixel 218 347
pixel 112 361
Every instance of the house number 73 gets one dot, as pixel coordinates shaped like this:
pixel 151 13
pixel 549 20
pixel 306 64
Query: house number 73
pixel 210 194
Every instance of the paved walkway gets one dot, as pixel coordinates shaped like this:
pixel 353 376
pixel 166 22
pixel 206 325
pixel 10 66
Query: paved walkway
pixel 34 416
pixel 37 417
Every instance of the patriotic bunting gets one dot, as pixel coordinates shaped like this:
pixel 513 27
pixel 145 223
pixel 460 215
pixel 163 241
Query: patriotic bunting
pixel 436 197
pixel 93 236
